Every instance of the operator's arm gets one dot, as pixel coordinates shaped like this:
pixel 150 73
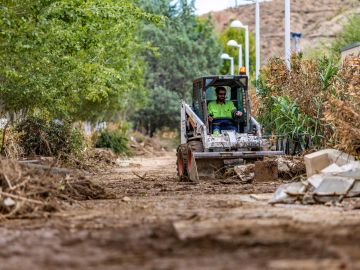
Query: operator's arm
pixel 211 111
pixel 234 111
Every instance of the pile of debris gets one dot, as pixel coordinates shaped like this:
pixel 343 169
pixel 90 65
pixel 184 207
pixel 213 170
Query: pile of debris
pixel 332 175
pixel 92 160
pixel 27 191
pixel 270 169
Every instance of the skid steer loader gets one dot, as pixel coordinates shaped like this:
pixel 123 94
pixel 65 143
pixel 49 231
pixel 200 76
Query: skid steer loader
pixel 201 154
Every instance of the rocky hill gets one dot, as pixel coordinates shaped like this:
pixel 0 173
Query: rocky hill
pixel 318 21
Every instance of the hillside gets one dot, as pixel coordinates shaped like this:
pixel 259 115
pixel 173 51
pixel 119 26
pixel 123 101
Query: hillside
pixel 319 21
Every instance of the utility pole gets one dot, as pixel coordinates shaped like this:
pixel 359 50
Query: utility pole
pixel 257 49
pixel 287 34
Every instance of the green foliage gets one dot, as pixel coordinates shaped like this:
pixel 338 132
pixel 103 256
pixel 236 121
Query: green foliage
pixel 238 35
pixel 71 59
pixel 49 138
pixel 349 34
pixel 285 117
pixel 116 140
pixel 327 71
pixel 184 47
pixel 163 110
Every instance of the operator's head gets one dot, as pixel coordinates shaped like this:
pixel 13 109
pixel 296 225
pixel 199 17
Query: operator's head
pixel 220 93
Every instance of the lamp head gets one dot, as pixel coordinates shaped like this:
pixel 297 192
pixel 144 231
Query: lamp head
pixel 225 56
pixel 232 43
pixel 237 24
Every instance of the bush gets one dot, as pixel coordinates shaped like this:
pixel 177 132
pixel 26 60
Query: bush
pixel 49 138
pixel 287 117
pixel 293 101
pixel 116 140
pixel 342 109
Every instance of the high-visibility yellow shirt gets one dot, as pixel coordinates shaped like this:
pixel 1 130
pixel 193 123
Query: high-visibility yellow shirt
pixel 221 110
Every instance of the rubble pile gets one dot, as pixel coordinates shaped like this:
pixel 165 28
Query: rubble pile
pixel 290 167
pixel 271 169
pixel 331 176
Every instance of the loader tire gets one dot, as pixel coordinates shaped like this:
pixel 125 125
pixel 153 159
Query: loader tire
pixel 181 163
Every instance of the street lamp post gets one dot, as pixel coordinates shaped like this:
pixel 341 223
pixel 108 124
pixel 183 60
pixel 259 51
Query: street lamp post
pixel 238 24
pixel 225 56
pixel 233 43
pixel 287 34
pixel 257 42
pixel 257 38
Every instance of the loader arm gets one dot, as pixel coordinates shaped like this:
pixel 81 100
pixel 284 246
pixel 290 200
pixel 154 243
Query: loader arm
pixel 187 114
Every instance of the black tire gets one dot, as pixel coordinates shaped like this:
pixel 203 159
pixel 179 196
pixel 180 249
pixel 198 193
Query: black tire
pixel 181 163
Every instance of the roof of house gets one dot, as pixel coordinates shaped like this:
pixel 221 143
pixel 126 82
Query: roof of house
pixel 350 46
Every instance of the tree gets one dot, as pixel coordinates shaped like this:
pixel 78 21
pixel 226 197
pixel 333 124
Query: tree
pixel 184 47
pixel 75 59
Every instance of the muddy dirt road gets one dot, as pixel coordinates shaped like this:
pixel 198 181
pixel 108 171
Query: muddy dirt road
pixel 157 223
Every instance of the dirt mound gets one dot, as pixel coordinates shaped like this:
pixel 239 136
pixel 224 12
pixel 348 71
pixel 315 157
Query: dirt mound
pixel 29 192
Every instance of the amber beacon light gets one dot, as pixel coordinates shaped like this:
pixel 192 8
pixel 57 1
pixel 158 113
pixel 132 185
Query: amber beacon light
pixel 242 71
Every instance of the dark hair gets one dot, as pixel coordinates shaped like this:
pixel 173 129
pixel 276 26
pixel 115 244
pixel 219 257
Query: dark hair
pixel 217 89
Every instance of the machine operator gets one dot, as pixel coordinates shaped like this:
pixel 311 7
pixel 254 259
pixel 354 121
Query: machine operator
pixel 221 112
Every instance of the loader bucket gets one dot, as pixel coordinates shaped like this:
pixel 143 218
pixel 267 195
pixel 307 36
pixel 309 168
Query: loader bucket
pixel 207 164
pixel 203 167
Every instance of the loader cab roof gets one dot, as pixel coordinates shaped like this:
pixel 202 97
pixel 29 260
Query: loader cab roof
pixel 222 80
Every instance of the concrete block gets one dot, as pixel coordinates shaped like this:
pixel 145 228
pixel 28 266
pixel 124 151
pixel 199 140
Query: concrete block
pixel 315 162
pixel 351 169
pixel 355 190
pixel 281 196
pixel 315 180
pixel 334 186
pixel 339 158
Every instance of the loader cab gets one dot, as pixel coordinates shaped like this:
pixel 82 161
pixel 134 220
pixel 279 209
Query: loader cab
pixel 236 91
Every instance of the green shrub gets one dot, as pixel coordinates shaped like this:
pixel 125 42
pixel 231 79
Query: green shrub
pixel 49 138
pixel 287 117
pixel 116 140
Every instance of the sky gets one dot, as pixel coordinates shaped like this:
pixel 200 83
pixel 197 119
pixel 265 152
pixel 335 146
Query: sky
pixel 204 6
